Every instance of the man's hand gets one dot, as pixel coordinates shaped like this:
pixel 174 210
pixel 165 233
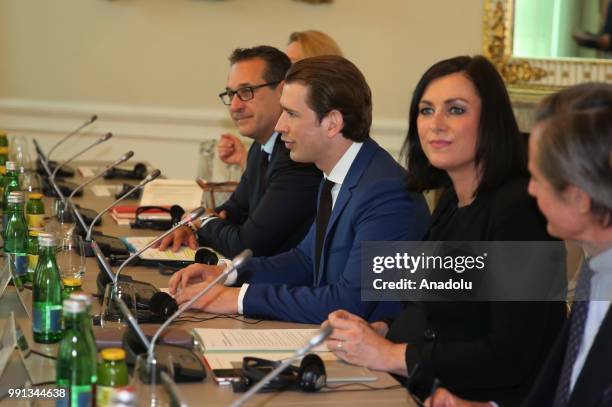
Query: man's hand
pixel 444 398
pixel 231 150
pixel 355 341
pixel 219 300
pixel 192 274
pixel 181 236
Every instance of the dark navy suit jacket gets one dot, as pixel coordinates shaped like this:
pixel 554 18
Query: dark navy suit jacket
pixel 373 205
pixel 593 387
pixel 268 213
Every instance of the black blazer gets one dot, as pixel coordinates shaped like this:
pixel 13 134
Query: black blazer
pixel 481 351
pixel 268 214
pixel 593 387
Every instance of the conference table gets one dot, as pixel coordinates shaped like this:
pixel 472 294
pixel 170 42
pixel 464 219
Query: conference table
pixel 207 392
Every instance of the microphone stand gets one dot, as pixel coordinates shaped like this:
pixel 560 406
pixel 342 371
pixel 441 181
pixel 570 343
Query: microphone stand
pixel 189 218
pixel 89 147
pixel 237 262
pixel 167 380
pixel 154 174
pixel 314 341
pixel 72 133
pixel 121 160
pixel 73 206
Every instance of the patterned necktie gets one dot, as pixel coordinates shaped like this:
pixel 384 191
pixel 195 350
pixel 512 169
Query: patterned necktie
pixel 580 310
pixel 323 215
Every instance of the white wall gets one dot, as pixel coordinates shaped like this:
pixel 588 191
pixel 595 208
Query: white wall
pixel 151 69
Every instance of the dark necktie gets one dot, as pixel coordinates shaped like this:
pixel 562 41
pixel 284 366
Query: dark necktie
pixel 323 214
pixel 580 310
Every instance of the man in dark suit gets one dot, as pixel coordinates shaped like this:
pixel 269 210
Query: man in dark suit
pixel 275 202
pixel 570 160
pixel 326 120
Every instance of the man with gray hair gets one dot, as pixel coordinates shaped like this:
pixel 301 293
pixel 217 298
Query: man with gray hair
pixel 570 160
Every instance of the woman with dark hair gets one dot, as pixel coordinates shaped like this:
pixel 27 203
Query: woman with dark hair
pixel 463 136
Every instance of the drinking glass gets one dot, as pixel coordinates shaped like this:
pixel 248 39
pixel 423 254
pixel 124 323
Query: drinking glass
pixel 61 222
pixel 19 152
pixel 30 181
pixel 71 257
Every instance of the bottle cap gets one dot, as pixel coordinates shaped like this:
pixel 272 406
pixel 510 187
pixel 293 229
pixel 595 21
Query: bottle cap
pixel 84 298
pixel 47 240
pixel 11 166
pixel 72 306
pixel 73 282
pixel 36 195
pixel 16 197
pixel 113 354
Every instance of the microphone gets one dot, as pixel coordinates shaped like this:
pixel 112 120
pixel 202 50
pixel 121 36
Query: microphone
pixel 72 133
pixel 99 141
pixel 193 215
pixel 323 333
pixel 79 216
pixel 237 262
pixel 121 160
pixel 45 165
pixel 154 174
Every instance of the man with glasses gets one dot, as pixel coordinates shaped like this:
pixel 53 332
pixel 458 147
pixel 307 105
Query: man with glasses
pixel 275 202
pixel 326 120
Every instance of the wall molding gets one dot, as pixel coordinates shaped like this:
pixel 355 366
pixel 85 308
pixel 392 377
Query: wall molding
pixel 181 129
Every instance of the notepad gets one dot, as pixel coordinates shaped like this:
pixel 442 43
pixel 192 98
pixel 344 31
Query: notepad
pixel 255 340
pixel 225 349
pixel 136 243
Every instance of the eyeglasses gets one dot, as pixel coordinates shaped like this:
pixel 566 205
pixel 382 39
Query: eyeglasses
pixel 245 93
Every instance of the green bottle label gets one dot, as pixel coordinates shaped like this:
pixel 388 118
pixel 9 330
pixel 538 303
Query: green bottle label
pixel 47 318
pixel 21 264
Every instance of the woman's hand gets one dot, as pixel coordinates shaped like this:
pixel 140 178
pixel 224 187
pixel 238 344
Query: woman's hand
pixel 355 341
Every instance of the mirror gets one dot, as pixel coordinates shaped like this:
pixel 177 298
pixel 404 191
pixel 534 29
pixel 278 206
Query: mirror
pixel 534 45
pixel 563 29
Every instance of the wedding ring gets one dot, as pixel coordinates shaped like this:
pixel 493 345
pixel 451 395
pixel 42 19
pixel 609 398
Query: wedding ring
pixel 339 345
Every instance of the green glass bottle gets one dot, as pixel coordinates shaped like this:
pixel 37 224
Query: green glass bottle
pixel 74 368
pixel 88 329
pixel 35 212
pixel 11 184
pixel 32 250
pixel 112 375
pixel 47 293
pixel 16 236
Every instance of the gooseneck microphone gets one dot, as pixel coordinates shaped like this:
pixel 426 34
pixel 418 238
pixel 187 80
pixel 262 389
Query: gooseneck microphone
pixel 83 151
pixel 72 133
pixel 120 161
pixel 43 161
pixel 237 262
pixel 154 174
pixel 323 333
pixel 196 213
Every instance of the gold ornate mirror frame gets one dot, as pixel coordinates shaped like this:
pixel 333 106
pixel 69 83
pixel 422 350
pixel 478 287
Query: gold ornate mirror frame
pixel 529 79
